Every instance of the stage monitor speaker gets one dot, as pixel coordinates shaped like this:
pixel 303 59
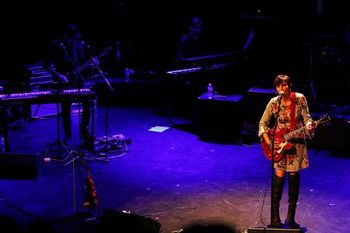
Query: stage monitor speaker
pixel 209 227
pixel 272 230
pixel 113 221
pixel 18 166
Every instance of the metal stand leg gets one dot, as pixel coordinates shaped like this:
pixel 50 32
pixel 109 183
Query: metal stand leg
pixel 58 142
pixel 79 153
pixel 108 143
pixel 5 128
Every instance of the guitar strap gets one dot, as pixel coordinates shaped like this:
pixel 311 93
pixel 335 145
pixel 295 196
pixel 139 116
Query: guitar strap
pixel 292 108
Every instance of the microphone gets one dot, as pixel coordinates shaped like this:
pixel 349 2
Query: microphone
pixel 280 94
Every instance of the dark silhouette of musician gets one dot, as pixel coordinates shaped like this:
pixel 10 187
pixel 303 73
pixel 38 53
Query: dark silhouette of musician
pixel 64 59
pixel 191 44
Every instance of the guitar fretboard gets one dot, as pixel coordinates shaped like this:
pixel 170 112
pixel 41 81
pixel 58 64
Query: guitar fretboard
pixel 294 133
pixel 301 130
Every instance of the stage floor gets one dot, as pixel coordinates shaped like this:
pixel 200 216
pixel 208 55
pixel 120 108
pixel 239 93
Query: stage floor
pixel 166 175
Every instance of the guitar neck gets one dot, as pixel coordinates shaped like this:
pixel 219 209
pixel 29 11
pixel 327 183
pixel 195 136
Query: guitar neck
pixel 297 132
pixel 294 133
pixel 90 61
pixel 82 67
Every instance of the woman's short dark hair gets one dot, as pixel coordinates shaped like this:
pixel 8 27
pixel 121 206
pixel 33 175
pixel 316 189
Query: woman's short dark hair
pixel 282 78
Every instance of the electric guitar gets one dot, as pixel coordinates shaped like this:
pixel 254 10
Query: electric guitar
pixel 90 62
pixel 282 137
pixel 78 69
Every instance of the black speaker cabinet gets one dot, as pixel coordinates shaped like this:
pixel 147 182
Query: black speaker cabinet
pixel 114 221
pixel 219 117
pixel 18 166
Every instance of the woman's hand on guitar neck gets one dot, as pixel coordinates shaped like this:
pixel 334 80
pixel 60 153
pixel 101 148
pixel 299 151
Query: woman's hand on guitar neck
pixel 310 126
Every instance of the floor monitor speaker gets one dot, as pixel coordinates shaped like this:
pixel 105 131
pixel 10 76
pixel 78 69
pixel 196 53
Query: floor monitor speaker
pixel 18 166
pixel 115 221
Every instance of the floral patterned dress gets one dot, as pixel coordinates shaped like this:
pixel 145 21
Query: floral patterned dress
pixel 296 158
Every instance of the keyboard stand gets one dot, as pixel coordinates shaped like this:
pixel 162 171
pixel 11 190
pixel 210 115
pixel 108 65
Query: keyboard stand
pixel 5 128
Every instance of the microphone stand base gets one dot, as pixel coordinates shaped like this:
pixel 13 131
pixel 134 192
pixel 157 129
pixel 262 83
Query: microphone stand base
pixel 272 230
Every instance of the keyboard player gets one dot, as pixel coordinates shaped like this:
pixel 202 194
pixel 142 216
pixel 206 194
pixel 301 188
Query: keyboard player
pixel 191 44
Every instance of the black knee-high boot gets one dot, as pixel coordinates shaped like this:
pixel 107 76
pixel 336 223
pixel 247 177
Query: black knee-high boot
pixel 294 187
pixel 277 191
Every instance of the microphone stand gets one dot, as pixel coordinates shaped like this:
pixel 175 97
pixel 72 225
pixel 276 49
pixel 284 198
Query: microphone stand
pixel 106 107
pixel 273 150
pixel 268 229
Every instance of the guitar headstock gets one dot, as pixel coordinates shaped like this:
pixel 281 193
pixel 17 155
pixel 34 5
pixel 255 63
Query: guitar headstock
pixel 324 119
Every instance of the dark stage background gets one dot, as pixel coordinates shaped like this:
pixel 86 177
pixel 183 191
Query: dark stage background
pixel 148 30
pixel 297 37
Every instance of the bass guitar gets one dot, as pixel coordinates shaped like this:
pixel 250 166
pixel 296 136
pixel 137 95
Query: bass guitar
pixel 282 138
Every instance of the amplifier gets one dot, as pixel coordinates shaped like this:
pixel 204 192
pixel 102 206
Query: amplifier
pixel 38 74
pixel 219 118
pixel 257 99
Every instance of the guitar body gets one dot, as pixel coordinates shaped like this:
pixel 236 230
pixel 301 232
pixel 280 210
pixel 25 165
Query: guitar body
pixel 278 140
pixel 282 137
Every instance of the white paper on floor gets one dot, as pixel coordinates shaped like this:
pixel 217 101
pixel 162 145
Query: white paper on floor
pixel 158 129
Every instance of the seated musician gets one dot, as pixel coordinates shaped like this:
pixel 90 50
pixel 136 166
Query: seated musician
pixel 64 58
pixel 191 44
